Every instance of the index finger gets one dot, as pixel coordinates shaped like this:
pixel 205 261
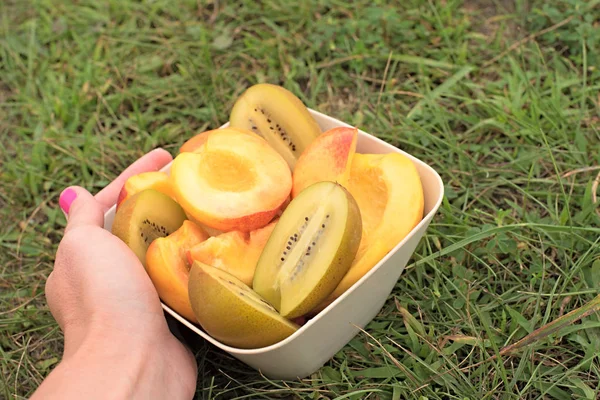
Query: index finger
pixel 152 161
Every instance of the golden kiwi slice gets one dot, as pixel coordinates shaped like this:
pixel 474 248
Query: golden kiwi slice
pixel 310 250
pixel 231 312
pixel 277 115
pixel 144 217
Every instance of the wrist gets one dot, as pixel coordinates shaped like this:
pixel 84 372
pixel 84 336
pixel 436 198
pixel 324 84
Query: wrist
pixel 109 338
pixel 119 365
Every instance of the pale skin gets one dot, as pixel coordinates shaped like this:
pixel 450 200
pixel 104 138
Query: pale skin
pixel 117 343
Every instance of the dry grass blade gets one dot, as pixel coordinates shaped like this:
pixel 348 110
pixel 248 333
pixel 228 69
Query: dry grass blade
pixel 388 354
pixel 595 191
pixel 527 39
pixel 410 320
pixel 554 326
pixel 545 331
pixel 384 80
pixel 578 170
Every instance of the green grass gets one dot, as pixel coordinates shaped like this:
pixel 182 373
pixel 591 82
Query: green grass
pixel 86 87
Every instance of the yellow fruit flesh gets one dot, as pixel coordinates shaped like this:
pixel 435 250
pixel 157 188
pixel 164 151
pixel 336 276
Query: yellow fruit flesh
pixel 234 252
pixel 227 171
pixel 389 194
pixel 371 193
pixel 167 267
pixel 156 180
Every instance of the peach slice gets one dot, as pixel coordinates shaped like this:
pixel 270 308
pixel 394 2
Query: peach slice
pixel 234 252
pixel 328 158
pixel 166 264
pixel 388 190
pixel 156 180
pixel 196 142
pixel 233 181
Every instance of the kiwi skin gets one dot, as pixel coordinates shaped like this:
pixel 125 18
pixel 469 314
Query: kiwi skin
pixel 225 314
pixel 159 209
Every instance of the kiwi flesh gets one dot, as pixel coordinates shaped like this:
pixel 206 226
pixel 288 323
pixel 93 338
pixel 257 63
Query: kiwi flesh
pixel 231 312
pixel 144 217
pixel 277 115
pixel 310 249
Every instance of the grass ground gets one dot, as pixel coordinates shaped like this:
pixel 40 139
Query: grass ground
pixel 501 97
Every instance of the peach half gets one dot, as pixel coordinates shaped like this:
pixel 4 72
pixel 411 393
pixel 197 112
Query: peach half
pixel 232 181
pixel 166 264
pixel 388 190
pixel 156 180
pixel 234 252
pixel 327 158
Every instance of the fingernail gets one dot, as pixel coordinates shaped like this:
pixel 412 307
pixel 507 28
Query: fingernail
pixel 66 199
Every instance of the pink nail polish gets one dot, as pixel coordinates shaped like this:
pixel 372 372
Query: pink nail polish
pixel 66 199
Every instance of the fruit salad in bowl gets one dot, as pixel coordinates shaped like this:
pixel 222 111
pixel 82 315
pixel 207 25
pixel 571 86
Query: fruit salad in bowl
pixel 257 227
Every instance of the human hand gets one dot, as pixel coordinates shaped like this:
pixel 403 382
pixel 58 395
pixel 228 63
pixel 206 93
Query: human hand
pixel 108 309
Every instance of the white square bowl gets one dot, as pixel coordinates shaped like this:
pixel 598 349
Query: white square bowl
pixel 317 341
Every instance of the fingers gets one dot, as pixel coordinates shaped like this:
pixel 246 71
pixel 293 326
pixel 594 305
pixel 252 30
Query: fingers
pixel 84 209
pixel 153 161
pixel 81 207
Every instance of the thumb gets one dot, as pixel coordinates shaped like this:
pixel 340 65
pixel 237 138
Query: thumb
pixel 80 208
